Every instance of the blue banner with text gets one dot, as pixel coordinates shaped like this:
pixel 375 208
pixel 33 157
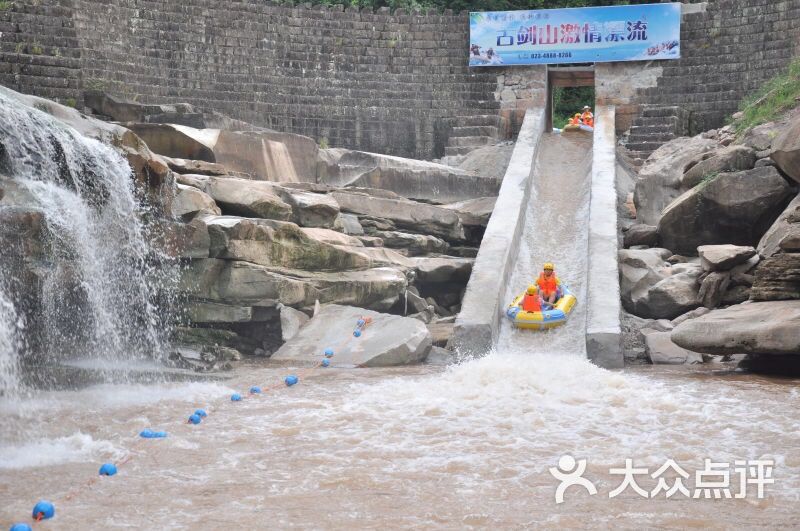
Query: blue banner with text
pixel 577 35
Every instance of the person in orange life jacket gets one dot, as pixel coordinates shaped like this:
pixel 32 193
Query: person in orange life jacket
pixel 549 284
pixel 530 301
pixel 587 117
pixel 575 120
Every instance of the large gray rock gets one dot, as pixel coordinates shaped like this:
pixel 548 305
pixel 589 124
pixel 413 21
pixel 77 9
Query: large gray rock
pixel 724 257
pixel 278 244
pixel 412 244
pixel 659 179
pixel 661 350
pixel 713 287
pixel 214 312
pixel 190 201
pixel 267 155
pixel 778 275
pixel 409 178
pixel 639 270
pixel 735 208
pixel 310 209
pixel 235 282
pixel 419 217
pixel 752 328
pixel 291 321
pixel 786 149
pixel 670 297
pixel 443 269
pixel 388 340
pixel 761 137
pixel 474 212
pixel 777 278
pixel 731 158
pixel 242 197
pixel 783 229
pixel 174 141
pixel 640 234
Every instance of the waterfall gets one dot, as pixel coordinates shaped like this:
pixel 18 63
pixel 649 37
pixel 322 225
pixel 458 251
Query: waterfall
pixel 98 279
pixel 10 325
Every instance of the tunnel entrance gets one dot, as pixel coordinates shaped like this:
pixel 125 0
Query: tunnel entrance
pixel 569 88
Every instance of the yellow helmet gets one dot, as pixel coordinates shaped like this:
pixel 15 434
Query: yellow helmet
pixel 549 265
pixel 532 289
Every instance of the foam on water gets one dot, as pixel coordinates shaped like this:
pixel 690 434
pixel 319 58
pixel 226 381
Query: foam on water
pixel 76 448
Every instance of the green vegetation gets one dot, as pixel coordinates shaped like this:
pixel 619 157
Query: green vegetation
pixel 4 5
pixel 70 102
pixel 323 143
pixel 706 180
pixel 779 95
pixel 471 5
pixel 570 100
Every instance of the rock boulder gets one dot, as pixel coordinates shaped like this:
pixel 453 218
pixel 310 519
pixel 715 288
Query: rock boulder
pixel 388 340
pixel 659 179
pixel 733 208
pixel 786 149
pixel 752 328
pixel 723 257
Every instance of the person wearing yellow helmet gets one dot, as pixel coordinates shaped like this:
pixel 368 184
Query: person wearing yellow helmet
pixel 548 283
pixel 531 302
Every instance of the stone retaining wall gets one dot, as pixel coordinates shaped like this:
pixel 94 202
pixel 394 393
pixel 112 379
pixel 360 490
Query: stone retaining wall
pixel 375 81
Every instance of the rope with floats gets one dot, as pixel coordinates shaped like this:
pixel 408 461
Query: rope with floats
pixel 45 510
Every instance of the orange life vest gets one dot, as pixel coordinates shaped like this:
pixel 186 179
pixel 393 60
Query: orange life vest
pixel 547 285
pixel 588 118
pixel 530 303
pixel 574 121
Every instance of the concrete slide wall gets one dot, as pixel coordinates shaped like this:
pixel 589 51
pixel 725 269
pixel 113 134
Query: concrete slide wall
pixel 602 318
pixel 478 324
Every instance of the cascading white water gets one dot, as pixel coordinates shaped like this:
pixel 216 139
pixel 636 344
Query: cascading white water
pixel 98 283
pixel 10 327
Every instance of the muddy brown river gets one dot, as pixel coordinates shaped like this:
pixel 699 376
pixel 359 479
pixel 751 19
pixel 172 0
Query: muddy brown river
pixel 468 446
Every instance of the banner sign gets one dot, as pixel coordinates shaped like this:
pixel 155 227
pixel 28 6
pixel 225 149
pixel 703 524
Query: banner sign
pixel 577 35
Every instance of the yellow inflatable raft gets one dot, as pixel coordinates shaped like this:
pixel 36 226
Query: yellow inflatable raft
pixel 544 319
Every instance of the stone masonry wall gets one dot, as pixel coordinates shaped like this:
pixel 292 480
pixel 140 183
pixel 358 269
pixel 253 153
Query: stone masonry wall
pixel 376 81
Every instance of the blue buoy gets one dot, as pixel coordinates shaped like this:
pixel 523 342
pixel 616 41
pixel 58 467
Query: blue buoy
pixel 255 390
pixel 325 362
pixel 291 380
pixel 195 419
pixel 147 433
pixel 357 332
pixel 201 413
pixel 21 527
pixel 236 397
pixel 328 352
pixel 108 469
pixel 360 322
pixel 43 510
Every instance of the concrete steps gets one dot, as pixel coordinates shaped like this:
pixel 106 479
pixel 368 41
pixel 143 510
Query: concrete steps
pixel 655 126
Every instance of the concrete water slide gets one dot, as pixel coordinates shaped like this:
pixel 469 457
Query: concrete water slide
pixel 557 203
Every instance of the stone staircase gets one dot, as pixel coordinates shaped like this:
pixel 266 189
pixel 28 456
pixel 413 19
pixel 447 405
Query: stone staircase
pixel 655 126
pixel 471 132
